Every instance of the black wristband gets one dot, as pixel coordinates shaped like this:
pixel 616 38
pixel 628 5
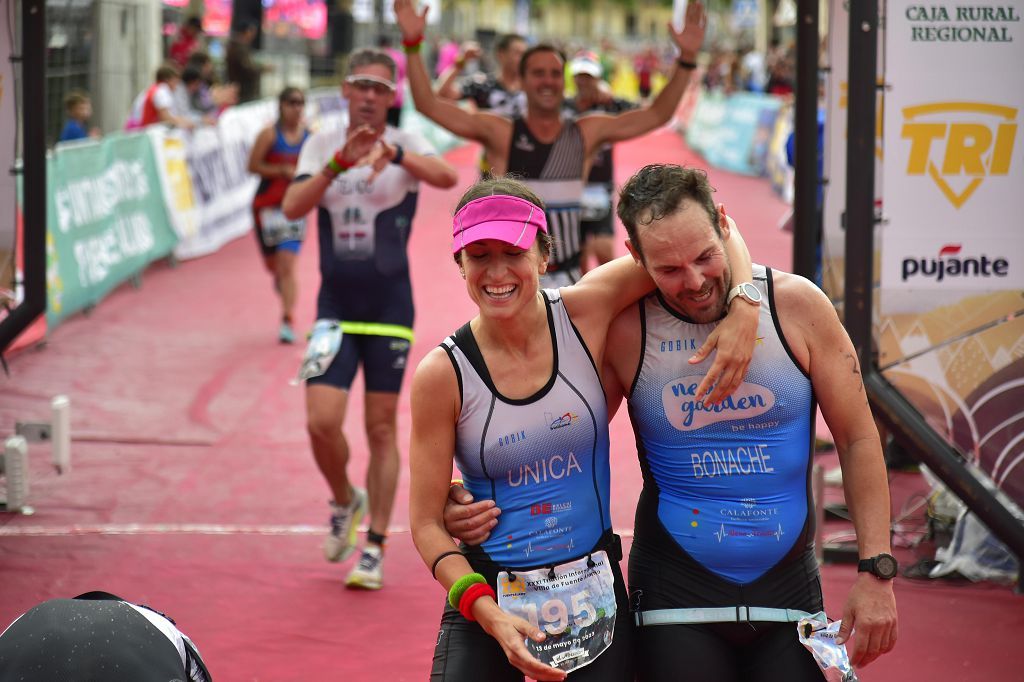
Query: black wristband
pixel 683 64
pixel 433 569
pixel 399 155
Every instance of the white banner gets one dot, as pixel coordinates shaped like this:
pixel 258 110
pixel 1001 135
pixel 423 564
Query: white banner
pixel 222 187
pixel 954 172
pixel 204 173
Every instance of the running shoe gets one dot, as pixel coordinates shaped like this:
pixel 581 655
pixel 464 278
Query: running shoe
pixel 341 541
pixel 368 573
pixel 286 333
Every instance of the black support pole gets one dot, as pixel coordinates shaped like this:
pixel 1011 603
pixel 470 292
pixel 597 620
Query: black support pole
pixel 860 177
pixel 886 402
pixel 805 201
pixel 33 116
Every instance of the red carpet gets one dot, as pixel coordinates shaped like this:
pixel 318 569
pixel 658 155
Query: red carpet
pixel 193 489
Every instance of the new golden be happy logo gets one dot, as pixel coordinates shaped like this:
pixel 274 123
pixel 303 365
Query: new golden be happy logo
pixel 959 144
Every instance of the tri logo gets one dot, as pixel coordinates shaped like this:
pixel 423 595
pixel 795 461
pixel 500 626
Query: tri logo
pixel 959 144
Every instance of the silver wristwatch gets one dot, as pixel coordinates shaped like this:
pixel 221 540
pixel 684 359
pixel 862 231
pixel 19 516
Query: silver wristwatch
pixel 747 291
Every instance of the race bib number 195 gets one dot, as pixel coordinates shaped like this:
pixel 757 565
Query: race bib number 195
pixel 575 609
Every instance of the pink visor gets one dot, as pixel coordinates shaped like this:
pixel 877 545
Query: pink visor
pixel 499 216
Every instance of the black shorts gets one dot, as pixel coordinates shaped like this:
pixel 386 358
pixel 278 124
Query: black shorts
pixel 465 653
pixel 381 306
pixel 723 652
pixel 604 227
pixel 383 359
pixel 663 576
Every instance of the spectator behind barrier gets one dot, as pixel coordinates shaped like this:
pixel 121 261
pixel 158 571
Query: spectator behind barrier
pixel 210 98
pixel 79 110
pixel 157 104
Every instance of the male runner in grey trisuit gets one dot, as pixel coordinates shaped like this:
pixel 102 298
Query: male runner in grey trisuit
pixel 558 181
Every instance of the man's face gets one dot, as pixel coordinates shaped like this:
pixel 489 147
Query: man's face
pixel 586 85
pixel 368 100
pixel 509 58
pixel 688 262
pixel 544 81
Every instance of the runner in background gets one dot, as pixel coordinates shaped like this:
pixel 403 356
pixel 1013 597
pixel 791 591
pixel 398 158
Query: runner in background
pixel 500 93
pixel 597 219
pixel 364 216
pixel 273 158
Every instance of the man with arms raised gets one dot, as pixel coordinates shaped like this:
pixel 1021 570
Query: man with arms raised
pixel 722 560
pixel 549 153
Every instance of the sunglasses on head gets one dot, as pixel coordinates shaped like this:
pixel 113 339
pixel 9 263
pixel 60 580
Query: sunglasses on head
pixel 378 85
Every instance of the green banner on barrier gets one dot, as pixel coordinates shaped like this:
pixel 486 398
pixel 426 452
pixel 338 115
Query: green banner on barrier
pixel 106 220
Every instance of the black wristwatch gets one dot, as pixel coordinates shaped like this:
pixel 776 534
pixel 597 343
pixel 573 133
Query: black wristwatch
pixel 883 566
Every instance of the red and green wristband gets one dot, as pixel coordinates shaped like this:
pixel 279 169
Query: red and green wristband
pixel 460 586
pixel 469 597
pixel 412 46
pixel 336 166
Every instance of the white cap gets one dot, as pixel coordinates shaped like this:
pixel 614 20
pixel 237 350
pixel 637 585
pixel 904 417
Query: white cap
pixel 585 65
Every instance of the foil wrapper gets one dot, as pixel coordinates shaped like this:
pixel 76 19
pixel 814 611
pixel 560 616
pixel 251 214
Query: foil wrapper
pixel 324 343
pixel 819 637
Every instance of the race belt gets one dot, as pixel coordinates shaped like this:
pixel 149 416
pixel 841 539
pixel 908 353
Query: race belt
pixel 723 614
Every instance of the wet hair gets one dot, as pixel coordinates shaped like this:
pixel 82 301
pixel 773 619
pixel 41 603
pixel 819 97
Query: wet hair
pixel 370 55
pixel 75 98
pixel 508 186
pixel 539 47
pixel 506 40
pixel 659 190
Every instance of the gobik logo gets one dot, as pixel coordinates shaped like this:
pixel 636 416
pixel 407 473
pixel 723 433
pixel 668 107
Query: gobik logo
pixel 959 144
pixel 949 263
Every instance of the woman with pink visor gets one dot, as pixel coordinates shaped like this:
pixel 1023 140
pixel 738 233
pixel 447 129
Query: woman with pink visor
pixel 516 396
